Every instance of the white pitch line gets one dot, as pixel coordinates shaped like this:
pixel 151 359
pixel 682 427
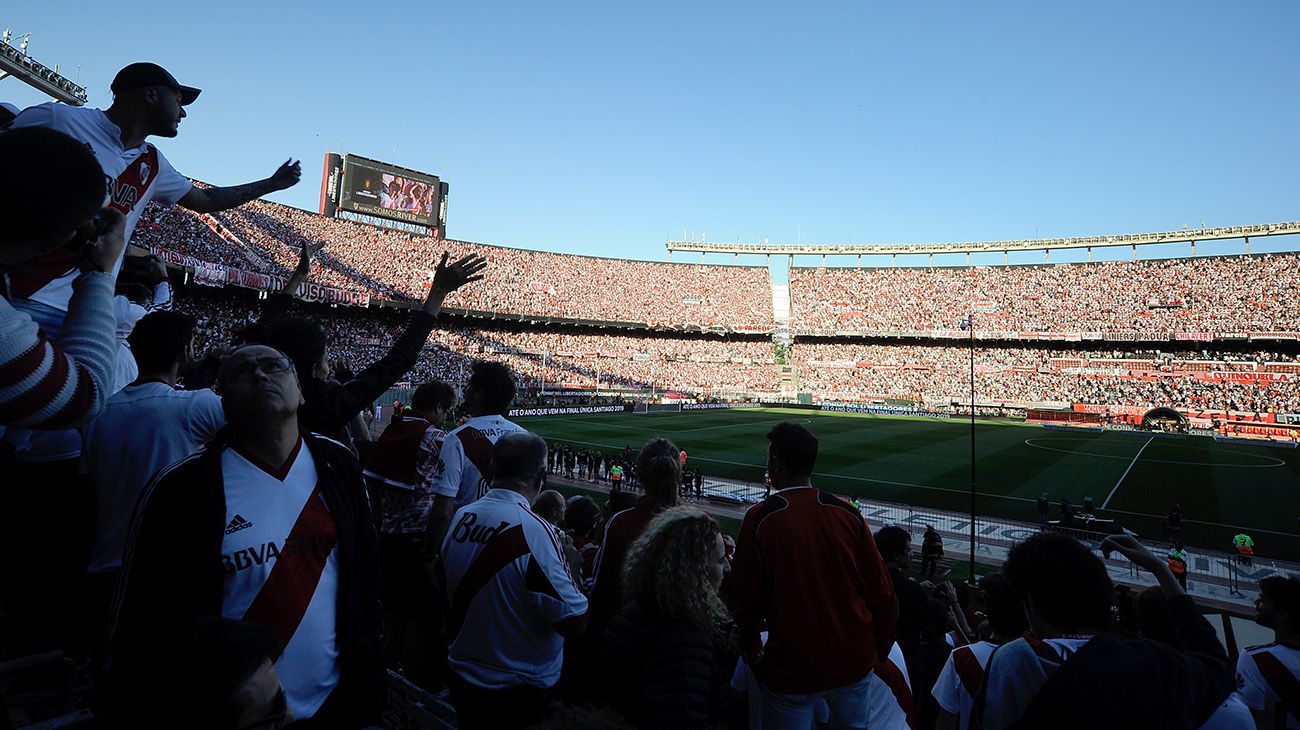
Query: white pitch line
pixel 1126 471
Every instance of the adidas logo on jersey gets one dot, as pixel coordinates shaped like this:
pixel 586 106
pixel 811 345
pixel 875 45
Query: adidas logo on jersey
pixel 237 524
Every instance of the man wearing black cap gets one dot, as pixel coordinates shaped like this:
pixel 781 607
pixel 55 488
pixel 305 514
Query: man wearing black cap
pixel 147 101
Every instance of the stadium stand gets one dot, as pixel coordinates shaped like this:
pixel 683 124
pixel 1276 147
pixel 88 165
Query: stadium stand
pixel 1150 299
pixel 1022 376
pixel 392 264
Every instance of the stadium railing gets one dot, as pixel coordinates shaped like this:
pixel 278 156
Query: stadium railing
pixel 1214 577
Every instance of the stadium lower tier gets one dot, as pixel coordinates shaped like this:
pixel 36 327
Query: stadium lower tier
pixel 934 376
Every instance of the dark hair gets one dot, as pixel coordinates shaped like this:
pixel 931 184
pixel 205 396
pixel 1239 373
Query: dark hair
pixel 1003 607
pixel 301 340
pixel 891 540
pixel 581 514
pixel 51 183
pixel 1152 610
pixel 659 471
pixel 619 501
pixel 1067 583
pixel 794 447
pixel 433 394
pixel 1285 595
pixel 495 383
pixel 159 338
pixel 201 670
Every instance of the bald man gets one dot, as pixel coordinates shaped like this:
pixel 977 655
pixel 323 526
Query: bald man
pixel 549 505
pixel 512 596
pixel 267 525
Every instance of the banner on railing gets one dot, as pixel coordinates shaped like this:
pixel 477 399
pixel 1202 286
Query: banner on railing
pixel 1194 336
pixel 1240 377
pixel 211 274
pixel 174 258
pixel 563 410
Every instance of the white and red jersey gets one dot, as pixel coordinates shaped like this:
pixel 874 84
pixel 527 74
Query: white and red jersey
pixel 507 585
pixel 1270 671
pixel 137 175
pixel 961 678
pixel 280 552
pixel 889 690
pixel 465 461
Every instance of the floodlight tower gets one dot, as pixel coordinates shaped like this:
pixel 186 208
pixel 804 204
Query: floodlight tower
pixel 15 62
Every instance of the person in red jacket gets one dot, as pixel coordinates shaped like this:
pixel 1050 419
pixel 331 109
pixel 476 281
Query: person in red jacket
pixel 807 566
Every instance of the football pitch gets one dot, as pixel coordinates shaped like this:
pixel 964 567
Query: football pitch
pixel 1223 488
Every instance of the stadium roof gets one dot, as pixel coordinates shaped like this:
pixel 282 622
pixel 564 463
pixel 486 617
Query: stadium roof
pixel 1041 244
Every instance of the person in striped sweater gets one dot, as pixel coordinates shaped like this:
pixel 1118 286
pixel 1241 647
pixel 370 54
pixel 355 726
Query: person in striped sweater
pixel 51 197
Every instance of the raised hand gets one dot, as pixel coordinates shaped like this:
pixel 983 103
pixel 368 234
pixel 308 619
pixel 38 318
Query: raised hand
pixel 447 279
pixel 287 175
pixel 305 254
pixel 1135 551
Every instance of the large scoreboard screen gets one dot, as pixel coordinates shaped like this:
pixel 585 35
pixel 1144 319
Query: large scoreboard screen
pixel 370 187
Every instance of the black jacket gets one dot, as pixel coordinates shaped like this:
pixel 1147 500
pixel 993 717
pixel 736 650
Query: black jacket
pixel 662 673
pixel 329 405
pixel 173 572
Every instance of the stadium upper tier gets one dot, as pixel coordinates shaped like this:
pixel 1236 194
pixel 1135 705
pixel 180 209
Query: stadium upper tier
pixel 396 265
pixel 1172 299
pixel 1203 298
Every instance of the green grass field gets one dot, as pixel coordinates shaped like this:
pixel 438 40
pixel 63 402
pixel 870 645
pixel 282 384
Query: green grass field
pixel 926 463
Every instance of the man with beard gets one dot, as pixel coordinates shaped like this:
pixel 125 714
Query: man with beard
pixel 1267 674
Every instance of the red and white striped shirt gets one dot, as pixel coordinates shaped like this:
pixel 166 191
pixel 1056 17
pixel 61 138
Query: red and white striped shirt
pixel 59 384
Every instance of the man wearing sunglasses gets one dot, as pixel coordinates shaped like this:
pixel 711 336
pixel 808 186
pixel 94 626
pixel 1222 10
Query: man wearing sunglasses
pixel 267 525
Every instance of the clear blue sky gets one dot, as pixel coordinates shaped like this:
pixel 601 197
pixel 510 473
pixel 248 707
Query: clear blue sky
pixel 604 127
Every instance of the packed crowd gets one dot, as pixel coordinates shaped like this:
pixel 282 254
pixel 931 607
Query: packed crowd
pixel 180 231
pixel 560 360
pixel 246 556
pixel 1210 294
pixel 393 264
pixel 1029 375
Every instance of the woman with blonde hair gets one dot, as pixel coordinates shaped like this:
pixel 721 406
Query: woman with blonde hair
pixel 667 652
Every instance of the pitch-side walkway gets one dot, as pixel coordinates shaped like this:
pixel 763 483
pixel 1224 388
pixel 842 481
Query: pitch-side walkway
pixel 1212 577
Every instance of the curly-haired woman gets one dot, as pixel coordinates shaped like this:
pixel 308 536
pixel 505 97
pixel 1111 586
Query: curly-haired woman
pixel 668 651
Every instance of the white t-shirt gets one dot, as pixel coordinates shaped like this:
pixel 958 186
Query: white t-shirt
pixel 464 463
pixel 961 678
pixel 264 506
pixel 142 429
pixel 128 315
pixel 104 138
pixel 1253 687
pixel 508 586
